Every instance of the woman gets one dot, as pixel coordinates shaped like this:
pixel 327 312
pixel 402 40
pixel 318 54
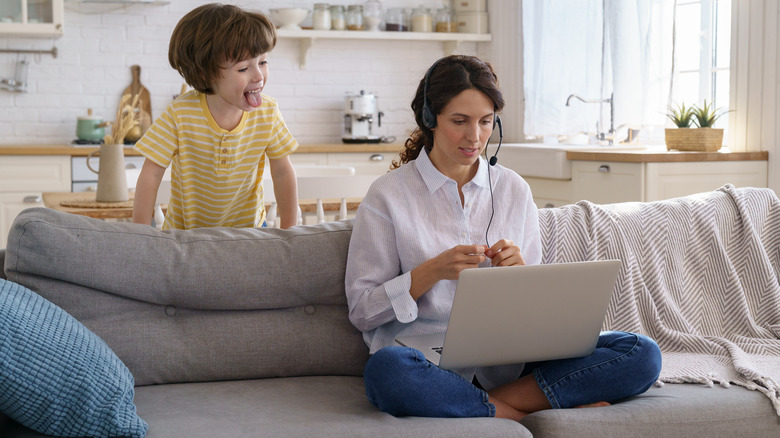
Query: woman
pixel 442 210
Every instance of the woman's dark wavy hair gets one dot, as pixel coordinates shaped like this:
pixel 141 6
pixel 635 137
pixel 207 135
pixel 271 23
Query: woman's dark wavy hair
pixel 450 76
pixel 213 34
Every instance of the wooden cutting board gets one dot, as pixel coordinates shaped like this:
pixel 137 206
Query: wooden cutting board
pixel 144 103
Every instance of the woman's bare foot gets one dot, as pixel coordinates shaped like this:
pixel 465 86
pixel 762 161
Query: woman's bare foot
pixel 600 404
pixel 503 410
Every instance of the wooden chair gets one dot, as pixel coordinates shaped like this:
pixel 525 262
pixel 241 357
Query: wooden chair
pixel 324 185
pixel 163 193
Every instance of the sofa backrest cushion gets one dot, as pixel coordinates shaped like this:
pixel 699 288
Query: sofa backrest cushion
pixel 196 305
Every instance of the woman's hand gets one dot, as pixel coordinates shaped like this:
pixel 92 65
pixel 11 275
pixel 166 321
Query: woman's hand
pixel 504 253
pixel 446 266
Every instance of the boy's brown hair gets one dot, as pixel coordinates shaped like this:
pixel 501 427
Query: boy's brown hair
pixel 213 34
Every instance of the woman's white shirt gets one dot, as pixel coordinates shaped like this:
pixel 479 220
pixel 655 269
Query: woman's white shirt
pixel 413 214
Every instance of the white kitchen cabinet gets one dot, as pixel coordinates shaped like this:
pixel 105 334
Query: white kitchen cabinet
pixel 319 159
pixel 550 192
pixel 23 179
pixel 609 182
pixel 31 18
pixel 365 163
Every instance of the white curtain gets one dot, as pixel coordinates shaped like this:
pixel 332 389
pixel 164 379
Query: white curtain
pixel 596 49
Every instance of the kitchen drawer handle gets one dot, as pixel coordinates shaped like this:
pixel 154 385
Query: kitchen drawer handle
pixel 604 168
pixel 377 157
pixel 34 199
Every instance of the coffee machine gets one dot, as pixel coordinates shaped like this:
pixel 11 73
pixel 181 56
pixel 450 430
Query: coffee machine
pixel 360 111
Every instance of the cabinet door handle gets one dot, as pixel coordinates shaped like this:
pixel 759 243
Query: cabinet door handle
pixel 604 168
pixel 34 199
pixel 377 157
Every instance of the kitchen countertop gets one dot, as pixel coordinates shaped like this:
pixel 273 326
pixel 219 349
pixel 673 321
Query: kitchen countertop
pixel 659 154
pixel 66 149
pixel 650 154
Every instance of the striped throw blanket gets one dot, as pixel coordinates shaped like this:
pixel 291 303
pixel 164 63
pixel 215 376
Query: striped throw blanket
pixel 699 275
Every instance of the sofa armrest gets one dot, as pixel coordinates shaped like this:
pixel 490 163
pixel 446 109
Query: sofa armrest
pixel 2 264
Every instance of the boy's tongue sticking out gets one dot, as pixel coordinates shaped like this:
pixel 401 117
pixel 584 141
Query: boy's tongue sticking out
pixel 254 98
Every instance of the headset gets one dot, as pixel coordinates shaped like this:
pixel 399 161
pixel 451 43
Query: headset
pixel 429 116
pixel 429 121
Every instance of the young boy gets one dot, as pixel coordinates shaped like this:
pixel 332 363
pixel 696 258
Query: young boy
pixel 218 136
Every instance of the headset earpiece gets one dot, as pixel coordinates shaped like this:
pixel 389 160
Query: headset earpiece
pixel 428 116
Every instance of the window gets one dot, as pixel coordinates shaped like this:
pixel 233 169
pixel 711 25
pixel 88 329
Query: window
pixel 702 54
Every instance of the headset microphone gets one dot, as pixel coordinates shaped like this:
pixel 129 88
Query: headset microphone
pixel 494 158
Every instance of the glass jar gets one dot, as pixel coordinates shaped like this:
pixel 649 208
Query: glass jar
pixel 321 17
pixel 422 21
pixel 445 21
pixel 355 17
pixel 372 15
pixel 395 20
pixel 337 19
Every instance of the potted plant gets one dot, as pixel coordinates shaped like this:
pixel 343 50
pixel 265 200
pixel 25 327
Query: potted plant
pixel 682 116
pixel 705 138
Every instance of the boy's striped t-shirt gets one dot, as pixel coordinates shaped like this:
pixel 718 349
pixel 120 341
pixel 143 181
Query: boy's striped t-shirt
pixel 216 175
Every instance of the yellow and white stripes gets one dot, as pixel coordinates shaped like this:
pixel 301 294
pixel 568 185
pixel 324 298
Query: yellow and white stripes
pixel 216 174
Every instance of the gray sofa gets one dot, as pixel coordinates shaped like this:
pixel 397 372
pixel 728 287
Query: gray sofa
pixel 244 333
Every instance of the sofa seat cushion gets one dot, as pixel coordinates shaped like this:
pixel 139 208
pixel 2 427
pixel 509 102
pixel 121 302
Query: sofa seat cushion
pixel 317 406
pixel 674 410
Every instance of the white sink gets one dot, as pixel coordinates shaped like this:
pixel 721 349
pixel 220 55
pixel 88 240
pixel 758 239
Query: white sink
pixel 538 159
pixel 542 160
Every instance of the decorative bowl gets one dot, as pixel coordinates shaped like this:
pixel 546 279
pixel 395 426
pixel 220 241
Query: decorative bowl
pixel 289 18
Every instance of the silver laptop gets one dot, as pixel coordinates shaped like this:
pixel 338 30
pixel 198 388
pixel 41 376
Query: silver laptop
pixel 522 314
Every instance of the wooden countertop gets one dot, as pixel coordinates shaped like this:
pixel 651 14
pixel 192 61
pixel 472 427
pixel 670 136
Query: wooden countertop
pixel 653 154
pixel 66 149
pixel 659 154
pixel 53 199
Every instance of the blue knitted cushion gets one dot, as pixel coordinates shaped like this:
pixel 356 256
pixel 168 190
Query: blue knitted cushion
pixel 56 376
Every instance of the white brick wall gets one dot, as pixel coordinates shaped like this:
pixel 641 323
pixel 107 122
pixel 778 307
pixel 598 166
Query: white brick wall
pixel 95 54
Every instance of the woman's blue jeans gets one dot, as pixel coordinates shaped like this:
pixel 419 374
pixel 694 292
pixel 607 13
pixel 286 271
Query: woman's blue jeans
pixel 400 381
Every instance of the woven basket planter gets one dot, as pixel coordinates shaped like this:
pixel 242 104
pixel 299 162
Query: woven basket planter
pixel 694 139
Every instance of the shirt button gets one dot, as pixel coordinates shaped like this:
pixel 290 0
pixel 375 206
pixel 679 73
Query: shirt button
pixel 224 150
pixel 463 235
pixel 223 161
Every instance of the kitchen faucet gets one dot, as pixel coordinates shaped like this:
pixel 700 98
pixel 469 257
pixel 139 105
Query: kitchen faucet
pixel 611 132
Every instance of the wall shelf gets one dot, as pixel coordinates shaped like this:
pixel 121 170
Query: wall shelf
pixel 121 2
pixel 451 41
